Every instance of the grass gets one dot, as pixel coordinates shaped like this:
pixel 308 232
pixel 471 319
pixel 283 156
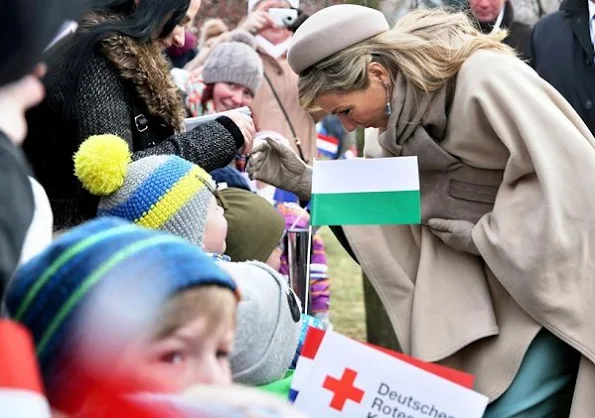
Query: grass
pixel 347 307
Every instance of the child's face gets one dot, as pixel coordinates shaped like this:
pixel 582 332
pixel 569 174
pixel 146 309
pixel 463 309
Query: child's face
pixel 216 229
pixel 196 353
pixel 274 260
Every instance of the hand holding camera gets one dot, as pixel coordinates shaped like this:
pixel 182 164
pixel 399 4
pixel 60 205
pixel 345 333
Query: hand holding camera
pixel 270 18
pixel 256 21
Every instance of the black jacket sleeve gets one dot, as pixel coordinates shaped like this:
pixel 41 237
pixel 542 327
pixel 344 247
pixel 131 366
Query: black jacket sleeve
pixel 210 146
pixel 103 107
pixel 16 210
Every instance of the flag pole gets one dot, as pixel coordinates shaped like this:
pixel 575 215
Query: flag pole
pixel 306 302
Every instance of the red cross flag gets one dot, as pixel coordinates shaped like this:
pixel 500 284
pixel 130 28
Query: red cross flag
pixel 312 344
pixel 364 382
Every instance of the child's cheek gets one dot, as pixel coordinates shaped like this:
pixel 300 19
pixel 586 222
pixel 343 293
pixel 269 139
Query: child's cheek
pixel 164 377
pixel 274 260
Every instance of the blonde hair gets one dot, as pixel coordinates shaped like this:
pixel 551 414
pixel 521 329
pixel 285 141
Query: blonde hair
pixel 428 46
pixel 217 304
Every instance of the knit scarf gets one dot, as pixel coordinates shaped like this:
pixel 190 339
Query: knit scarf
pixel 144 64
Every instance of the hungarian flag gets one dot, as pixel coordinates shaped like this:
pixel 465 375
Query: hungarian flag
pixel 381 191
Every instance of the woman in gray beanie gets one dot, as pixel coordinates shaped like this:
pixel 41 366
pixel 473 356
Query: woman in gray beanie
pixel 229 79
pixel 495 280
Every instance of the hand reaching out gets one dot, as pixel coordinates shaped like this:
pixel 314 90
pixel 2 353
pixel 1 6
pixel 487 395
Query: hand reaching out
pixel 256 21
pixel 245 124
pixel 275 163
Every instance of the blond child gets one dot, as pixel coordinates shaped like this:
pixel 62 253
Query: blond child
pixel 110 297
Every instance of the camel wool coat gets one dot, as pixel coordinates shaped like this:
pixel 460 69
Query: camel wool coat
pixel 501 148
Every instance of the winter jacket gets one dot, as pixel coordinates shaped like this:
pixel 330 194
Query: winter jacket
pixel 125 90
pixel 16 210
pixel 562 53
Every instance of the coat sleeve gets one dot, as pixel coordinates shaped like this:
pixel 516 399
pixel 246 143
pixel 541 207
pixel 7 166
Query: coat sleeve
pixel 16 211
pixel 211 146
pixel 103 108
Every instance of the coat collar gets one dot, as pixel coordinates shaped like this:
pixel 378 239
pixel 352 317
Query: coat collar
pixel 145 66
pixel 577 11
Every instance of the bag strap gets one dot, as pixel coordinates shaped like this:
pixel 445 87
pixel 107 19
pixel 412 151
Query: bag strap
pixel 297 141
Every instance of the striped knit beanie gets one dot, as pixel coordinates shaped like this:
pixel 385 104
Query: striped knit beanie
pixel 162 192
pixel 48 294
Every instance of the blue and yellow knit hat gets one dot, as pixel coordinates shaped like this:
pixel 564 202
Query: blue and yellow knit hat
pixel 162 192
pixel 48 294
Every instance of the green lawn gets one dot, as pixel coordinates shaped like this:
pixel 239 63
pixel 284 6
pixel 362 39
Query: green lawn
pixel 347 306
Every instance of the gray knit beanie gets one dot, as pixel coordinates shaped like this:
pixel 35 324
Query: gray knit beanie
pixel 268 324
pixel 235 61
pixel 163 192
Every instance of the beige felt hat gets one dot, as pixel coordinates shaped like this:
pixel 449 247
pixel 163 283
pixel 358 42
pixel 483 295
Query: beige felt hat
pixel 331 30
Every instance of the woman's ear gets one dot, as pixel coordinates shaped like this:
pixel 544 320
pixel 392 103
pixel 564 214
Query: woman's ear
pixel 377 72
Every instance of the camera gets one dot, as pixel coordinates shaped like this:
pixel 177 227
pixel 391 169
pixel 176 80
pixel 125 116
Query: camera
pixel 283 17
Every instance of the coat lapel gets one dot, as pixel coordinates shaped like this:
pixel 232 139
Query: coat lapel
pixel 578 13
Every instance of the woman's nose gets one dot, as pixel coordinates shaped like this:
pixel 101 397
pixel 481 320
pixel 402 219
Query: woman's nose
pixel 179 37
pixel 237 97
pixel 348 123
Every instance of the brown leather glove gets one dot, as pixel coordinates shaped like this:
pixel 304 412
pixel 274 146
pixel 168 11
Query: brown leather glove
pixel 276 164
pixel 456 234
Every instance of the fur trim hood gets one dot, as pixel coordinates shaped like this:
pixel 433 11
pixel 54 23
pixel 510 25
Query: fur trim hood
pixel 145 65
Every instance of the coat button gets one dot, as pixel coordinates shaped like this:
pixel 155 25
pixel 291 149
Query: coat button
pixel 588 104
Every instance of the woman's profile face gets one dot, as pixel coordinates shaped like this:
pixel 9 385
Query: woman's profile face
pixel 227 96
pixel 177 37
pixel 363 108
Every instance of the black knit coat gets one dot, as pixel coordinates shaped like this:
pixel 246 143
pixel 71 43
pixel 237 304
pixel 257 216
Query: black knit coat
pixel 108 102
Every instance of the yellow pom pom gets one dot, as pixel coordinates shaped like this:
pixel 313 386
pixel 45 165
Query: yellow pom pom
pixel 101 163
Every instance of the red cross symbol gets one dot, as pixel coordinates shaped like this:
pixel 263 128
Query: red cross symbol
pixel 343 389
